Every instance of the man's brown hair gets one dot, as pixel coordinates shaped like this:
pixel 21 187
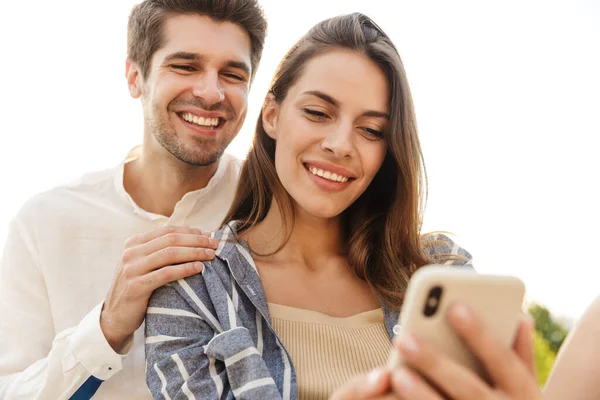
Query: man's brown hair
pixel 146 21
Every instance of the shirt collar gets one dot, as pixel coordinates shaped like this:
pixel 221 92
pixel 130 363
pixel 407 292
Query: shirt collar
pixel 193 196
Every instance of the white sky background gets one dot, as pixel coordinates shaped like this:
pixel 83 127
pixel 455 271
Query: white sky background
pixel 507 95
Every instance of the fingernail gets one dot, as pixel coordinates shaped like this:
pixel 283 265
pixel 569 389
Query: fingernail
pixel 530 320
pixel 199 266
pixel 404 380
pixel 408 344
pixel 209 253
pixel 462 312
pixel 213 242
pixel 373 377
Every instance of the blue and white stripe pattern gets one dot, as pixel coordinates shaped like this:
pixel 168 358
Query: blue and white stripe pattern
pixel 209 336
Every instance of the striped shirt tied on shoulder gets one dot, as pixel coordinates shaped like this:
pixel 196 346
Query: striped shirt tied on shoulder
pixel 209 336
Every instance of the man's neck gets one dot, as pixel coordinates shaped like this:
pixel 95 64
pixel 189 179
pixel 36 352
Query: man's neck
pixel 156 183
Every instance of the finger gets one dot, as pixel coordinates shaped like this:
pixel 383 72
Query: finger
pixel 175 239
pixel 501 363
pixel 446 374
pixel 148 236
pixel 171 273
pixel 373 385
pixel 410 386
pixel 171 256
pixel 523 344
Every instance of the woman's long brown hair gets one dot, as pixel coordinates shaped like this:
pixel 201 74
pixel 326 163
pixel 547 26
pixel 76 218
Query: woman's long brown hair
pixel 382 227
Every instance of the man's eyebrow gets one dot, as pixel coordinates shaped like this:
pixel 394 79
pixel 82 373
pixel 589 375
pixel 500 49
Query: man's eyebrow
pixel 333 102
pixel 239 65
pixel 185 55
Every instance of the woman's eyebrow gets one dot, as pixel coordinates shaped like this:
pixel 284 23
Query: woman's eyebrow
pixel 334 102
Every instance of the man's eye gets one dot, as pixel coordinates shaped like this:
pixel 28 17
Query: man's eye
pixel 235 76
pixel 315 113
pixel 185 68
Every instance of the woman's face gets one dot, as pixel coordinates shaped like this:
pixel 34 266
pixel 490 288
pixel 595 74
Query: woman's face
pixel 330 131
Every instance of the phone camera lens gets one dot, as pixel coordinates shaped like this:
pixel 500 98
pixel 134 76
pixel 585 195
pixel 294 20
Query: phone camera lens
pixel 432 302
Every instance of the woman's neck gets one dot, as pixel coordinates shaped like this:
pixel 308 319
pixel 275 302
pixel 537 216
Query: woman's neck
pixel 310 238
pixel 311 270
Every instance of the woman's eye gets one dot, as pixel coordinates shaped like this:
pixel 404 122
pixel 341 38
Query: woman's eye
pixel 315 113
pixel 373 133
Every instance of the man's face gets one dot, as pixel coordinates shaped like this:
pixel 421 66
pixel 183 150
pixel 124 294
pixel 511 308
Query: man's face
pixel 195 96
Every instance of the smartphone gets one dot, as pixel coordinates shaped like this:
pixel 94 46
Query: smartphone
pixel 497 300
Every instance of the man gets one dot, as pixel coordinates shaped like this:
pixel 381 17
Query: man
pixel 128 230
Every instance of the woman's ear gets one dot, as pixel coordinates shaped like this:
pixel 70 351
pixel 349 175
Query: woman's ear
pixel 132 74
pixel 269 116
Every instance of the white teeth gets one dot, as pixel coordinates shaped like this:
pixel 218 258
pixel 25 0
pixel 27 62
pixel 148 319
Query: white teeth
pixel 332 176
pixel 204 122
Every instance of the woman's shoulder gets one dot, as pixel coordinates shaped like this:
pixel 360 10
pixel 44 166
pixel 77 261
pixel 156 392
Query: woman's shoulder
pixel 230 243
pixel 443 250
pixel 216 268
pixel 232 256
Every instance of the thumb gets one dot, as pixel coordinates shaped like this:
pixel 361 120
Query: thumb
pixel 523 344
pixel 363 387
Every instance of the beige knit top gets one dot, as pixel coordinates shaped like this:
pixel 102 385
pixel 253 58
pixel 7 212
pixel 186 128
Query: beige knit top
pixel 328 351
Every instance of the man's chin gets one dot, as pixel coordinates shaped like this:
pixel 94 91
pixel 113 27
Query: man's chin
pixel 200 160
pixel 197 152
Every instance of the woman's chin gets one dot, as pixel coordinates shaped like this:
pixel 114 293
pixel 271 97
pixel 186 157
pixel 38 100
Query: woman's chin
pixel 322 211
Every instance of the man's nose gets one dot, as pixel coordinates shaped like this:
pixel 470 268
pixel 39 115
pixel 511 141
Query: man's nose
pixel 207 87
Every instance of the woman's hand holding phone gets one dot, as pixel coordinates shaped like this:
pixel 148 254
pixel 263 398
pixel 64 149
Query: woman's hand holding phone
pixel 462 337
pixel 428 374
pixel 512 371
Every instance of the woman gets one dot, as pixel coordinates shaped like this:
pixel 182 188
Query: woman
pixel 576 370
pixel 320 242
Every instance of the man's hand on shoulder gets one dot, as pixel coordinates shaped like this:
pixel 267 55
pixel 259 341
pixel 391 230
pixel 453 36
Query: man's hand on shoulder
pixel 150 260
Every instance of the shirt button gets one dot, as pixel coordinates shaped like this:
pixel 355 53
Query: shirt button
pixel 397 329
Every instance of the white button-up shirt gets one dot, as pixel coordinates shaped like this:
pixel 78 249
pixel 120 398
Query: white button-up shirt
pixel 62 252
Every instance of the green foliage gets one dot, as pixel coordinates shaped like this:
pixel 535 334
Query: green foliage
pixel 544 357
pixel 552 331
pixel 549 335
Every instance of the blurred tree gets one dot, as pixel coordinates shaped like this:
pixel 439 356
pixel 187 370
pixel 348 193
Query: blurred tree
pixel 544 357
pixel 551 330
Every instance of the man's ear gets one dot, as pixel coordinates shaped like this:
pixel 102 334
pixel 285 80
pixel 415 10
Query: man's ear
pixel 133 75
pixel 270 113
